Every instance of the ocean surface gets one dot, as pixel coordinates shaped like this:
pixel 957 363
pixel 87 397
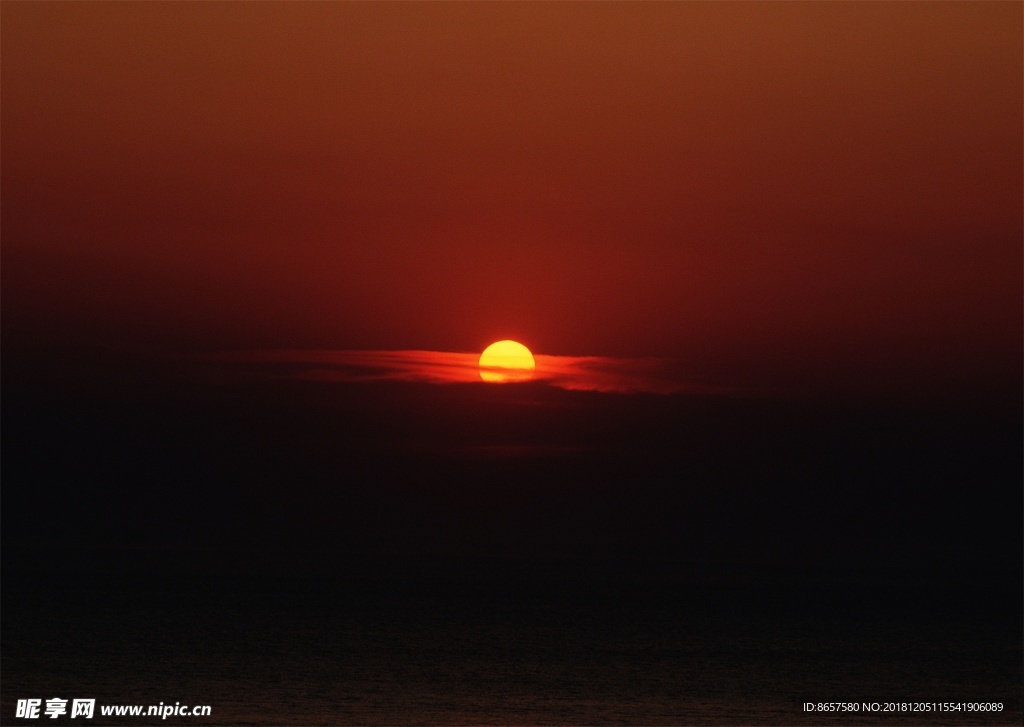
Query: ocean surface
pixel 306 639
pixel 290 550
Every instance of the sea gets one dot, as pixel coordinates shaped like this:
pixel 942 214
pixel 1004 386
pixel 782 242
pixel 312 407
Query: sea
pixel 294 638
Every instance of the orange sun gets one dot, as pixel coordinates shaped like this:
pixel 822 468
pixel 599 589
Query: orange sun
pixel 506 361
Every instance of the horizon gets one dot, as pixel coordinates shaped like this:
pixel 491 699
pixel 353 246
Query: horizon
pixel 764 447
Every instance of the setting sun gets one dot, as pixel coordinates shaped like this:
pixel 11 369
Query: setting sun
pixel 506 361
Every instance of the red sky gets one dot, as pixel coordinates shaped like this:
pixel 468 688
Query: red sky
pixel 795 189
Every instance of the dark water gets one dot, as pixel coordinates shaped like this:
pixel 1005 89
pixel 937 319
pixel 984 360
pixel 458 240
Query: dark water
pixel 296 553
pixel 311 640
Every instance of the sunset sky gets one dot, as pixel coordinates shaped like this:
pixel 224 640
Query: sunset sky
pixel 765 445
pixel 775 190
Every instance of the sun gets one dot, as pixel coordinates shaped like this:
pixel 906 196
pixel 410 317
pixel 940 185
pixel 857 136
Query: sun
pixel 506 361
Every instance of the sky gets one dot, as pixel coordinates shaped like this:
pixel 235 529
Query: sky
pixel 767 257
pixel 768 191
